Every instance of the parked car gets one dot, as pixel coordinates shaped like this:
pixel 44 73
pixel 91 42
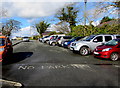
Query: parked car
pixel 111 50
pixel 25 39
pixel 62 39
pixel 41 39
pixel 54 41
pixel 66 44
pixel 90 43
pixel 5 47
pixel 47 39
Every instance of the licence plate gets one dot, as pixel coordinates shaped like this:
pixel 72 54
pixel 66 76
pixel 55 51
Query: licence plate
pixel 96 53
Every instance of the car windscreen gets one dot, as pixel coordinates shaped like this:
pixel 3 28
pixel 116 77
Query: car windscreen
pixel 89 38
pixel 2 41
pixel 111 43
pixel 67 37
pixel 25 37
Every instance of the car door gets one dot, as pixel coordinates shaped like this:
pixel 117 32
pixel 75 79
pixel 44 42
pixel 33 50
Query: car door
pixel 5 48
pixel 119 49
pixel 96 42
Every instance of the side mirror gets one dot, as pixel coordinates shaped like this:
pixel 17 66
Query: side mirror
pixel 8 44
pixel 95 40
pixel 118 46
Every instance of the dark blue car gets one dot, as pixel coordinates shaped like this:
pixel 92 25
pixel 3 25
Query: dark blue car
pixel 66 44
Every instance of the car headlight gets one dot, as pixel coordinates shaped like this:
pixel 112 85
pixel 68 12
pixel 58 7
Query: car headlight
pixel 107 49
pixel 1 49
pixel 65 43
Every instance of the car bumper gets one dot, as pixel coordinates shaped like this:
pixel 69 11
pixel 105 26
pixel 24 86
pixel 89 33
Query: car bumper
pixel 102 54
pixel 74 48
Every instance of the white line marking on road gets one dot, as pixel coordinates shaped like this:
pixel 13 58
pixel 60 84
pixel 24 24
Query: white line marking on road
pixel 118 66
pixel 11 83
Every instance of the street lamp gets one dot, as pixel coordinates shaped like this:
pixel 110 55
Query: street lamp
pixel 85 1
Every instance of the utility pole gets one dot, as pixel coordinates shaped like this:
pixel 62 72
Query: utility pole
pixel 85 1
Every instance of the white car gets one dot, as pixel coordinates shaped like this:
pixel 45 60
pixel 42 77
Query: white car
pixel 87 46
pixel 26 39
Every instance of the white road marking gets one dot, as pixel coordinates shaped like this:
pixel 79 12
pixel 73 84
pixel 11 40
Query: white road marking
pixel 118 66
pixel 58 66
pixel 11 83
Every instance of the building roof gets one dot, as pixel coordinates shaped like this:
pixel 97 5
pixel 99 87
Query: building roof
pixel 116 21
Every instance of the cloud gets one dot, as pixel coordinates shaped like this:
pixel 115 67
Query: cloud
pixel 32 9
pixel 96 23
pixel 27 31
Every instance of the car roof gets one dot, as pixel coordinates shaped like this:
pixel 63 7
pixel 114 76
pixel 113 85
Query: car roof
pixel 3 37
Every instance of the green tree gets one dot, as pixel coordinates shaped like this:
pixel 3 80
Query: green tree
pixel 42 27
pixel 68 14
pixel 10 25
pixel 105 19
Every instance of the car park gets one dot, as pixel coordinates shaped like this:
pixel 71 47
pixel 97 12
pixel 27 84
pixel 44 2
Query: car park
pixel 66 44
pixel 6 48
pixel 111 50
pixel 62 39
pixel 88 45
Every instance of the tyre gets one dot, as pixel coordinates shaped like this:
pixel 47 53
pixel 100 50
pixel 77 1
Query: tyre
pixel 84 51
pixel 47 41
pixel 74 51
pixel 53 44
pixel 114 56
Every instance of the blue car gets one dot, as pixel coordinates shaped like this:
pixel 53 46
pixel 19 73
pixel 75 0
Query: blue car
pixel 66 44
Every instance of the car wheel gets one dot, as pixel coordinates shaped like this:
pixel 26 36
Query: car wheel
pixel 84 51
pixel 47 42
pixel 114 56
pixel 62 44
pixel 53 44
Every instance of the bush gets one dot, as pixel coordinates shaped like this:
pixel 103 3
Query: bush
pixel 87 30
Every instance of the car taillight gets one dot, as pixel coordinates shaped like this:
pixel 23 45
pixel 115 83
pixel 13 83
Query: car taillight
pixel 51 38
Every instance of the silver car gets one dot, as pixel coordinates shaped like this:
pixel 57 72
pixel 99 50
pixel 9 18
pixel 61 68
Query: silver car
pixel 87 45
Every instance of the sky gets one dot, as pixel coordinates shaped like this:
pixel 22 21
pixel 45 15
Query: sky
pixel 29 12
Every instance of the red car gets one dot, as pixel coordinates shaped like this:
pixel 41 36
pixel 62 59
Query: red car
pixel 5 47
pixel 111 50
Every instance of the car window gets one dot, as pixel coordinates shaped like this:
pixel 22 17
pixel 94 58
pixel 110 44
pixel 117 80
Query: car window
pixel 2 41
pixel 111 43
pixel 89 38
pixel 108 38
pixel 117 36
pixel 98 39
pixel 67 37
pixel 8 40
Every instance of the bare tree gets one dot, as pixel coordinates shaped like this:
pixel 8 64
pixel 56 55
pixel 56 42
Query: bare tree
pixel 10 25
pixel 63 27
pixel 3 12
pixel 107 8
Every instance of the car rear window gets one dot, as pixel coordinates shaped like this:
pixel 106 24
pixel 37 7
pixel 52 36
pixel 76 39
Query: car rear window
pixel 2 41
